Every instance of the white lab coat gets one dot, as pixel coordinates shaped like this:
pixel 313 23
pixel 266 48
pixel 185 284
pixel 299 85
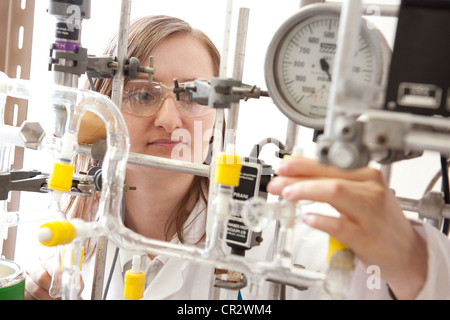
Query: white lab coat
pixel 167 277
pixel 437 285
pixel 173 278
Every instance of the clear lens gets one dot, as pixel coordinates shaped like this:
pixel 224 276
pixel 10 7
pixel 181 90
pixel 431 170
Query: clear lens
pixel 143 99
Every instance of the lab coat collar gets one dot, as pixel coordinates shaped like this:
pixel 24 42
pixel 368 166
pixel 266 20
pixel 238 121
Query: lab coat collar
pixel 126 256
pixel 175 271
pixel 194 228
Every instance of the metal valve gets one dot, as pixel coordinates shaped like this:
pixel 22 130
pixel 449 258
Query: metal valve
pixel 134 67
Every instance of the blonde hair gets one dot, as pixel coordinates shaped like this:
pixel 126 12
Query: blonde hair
pixel 144 34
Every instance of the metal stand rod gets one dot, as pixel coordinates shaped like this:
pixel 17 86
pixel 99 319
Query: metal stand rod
pixel 116 97
pixel 219 122
pixel 217 142
pixel 347 37
pixel 291 136
pixel 415 206
pixel 97 152
pixel 122 44
pixel 233 113
pixel 238 70
pixel 169 164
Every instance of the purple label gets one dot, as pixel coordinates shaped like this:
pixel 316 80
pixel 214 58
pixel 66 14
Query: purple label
pixel 66 46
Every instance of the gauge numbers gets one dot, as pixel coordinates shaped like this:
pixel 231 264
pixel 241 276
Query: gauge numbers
pixel 299 65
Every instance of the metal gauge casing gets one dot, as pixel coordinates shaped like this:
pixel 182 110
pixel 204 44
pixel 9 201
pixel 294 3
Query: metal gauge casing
pixel 299 62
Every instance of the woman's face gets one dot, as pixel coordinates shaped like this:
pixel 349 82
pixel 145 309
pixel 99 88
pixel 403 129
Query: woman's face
pixel 168 133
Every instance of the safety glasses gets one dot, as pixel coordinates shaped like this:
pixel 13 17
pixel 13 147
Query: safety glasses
pixel 143 99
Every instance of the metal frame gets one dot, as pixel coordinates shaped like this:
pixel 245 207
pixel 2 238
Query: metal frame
pixel 15 21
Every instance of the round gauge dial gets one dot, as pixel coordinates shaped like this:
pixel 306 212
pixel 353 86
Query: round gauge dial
pixel 299 63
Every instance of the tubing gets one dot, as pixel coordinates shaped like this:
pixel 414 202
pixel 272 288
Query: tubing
pixel 78 101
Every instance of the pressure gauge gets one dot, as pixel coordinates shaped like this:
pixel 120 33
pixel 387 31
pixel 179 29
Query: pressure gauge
pixel 299 62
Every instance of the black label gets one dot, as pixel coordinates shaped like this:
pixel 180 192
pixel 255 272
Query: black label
pixel 237 231
pixel 65 31
pixel 247 183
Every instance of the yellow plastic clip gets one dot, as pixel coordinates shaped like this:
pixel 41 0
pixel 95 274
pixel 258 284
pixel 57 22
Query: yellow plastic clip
pixel 55 233
pixel 333 246
pixel 61 178
pixel 134 284
pixel 72 260
pixel 228 169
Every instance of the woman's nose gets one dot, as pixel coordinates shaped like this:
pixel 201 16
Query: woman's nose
pixel 168 116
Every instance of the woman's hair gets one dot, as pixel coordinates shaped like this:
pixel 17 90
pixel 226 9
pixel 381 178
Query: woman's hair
pixel 144 34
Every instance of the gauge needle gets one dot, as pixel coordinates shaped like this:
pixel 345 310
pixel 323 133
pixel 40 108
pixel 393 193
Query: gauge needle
pixel 325 67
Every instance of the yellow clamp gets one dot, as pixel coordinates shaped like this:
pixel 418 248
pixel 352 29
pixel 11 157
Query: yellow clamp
pixel 333 246
pixel 61 177
pixel 134 282
pixel 228 169
pixel 72 258
pixel 55 233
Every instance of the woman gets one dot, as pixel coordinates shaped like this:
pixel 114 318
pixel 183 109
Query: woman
pixel 171 206
pixel 166 205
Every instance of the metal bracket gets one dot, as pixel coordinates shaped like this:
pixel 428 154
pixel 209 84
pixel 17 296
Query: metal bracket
pixel 344 148
pixel 21 181
pixel 219 93
pixel 79 60
pixel 101 67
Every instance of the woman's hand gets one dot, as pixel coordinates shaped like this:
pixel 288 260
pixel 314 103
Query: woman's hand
pixel 371 223
pixel 39 279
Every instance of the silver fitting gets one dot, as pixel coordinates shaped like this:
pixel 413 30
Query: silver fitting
pixel 32 134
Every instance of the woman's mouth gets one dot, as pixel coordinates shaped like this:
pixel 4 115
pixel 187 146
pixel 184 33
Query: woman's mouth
pixel 164 143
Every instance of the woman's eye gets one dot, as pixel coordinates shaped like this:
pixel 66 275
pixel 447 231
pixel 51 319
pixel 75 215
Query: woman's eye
pixel 143 96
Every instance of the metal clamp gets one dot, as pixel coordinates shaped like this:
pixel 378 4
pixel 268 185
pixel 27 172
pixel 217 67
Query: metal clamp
pixel 219 93
pixel 78 59
pixel 133 67
pixel 101 67
pixel 345 148
pixel 21 181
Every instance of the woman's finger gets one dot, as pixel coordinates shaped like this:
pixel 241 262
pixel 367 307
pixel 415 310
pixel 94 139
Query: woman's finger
pixel 34 291
pixel 309 168
pixel 356 200
pixel 38 281
pixel 277 184
pixel 344 230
